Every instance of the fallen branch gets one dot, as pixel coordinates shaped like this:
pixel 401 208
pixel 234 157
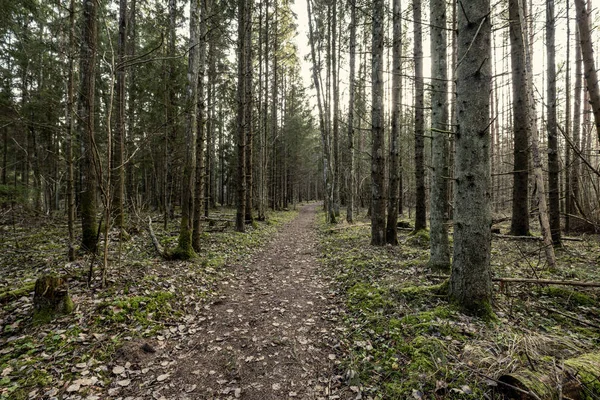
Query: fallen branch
pixel 347 227
pixel 547 282
pixel 538 238
pixel 157 246
pixel 530 280
pixel 549 309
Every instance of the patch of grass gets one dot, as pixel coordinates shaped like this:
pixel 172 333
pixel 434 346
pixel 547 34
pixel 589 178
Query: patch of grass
pixel 142 310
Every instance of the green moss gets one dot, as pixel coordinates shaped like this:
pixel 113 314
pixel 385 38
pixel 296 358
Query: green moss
pixel 366 297
pixel 587 368
pixel 572 296
pixel 24 290
pixel 481 309
pixel 422 292
pixel 143 310
pixel 184 250
pixel 419 238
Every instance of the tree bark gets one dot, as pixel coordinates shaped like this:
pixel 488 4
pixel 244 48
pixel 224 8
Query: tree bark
pixel 391 235
pixel 535 153
pixel 241 117
pixel 377 129
pixel 438 217
pixel 587 51
pixel 199 192
pixel 184 248
pixel 248 103
pixel 576 141
pixel 336 102
pixel 70 120
pixel 118 169
pixel 420 206
pixel 553 166
pixel 324 136
pixel 470 282
pixel 351 97
pixel 87 104
pixel 520 194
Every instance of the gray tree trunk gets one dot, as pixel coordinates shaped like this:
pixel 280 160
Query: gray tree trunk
pixel 351 88
pixel 199 191
pixel 248 104
pixel 553 166
pixel 241 118
pixel 70 120
pixel 391 235
pixel 587 51
pixel 576 139
pixel 520 112
pixel 118 169
pixel 470 282
pixel 87 104
pixel 184 248
pixel 420 206
pixel 327 185
pixel 438 209
pixel 377 129
pixel 535 153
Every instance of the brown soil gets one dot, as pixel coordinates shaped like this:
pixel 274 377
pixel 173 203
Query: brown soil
pixel 271 335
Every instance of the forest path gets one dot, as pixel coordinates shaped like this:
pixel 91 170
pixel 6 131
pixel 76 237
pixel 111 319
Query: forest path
pixel 270 335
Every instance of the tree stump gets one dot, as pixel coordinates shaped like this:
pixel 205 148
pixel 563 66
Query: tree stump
pixel 51 298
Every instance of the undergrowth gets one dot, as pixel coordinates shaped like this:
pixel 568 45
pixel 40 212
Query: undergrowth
pixel 145 298
pixel 403 339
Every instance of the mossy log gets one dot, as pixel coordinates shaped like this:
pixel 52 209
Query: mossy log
pixel 580 379
pixel 51 298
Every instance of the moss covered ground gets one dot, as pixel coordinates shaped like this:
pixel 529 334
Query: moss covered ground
pixel 146 299
pixel 402 339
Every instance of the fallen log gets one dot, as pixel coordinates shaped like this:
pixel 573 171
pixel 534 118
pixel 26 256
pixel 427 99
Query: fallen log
pixel 533 281
pixel 579 378
pixel 155 242
pixel 547 282
pixel 538 238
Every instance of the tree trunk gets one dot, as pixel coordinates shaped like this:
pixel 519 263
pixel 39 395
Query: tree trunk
pixel 118 169
pixel 377 130
pixel 248 104
pixel 184 248
pixel 587 51
pixel 351 89
pixel 70 120
pixel 324 136
pixel 199 192
pixel 569 156
pixel 440 249
pixel 535 153
pixel 336 102
pixel 50 298
pixel 553 166
pixel 241 116
pixel 391 234
pixel 470 282
pixel 576 166
pixel 420 206
pixel 87 102
pixel 520 194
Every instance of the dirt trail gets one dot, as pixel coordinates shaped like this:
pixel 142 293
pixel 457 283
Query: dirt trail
pixel 270 335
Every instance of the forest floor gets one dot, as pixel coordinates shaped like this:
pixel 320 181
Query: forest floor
pixel 294 308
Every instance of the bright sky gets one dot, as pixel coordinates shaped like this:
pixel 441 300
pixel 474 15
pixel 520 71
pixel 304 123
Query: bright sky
pixel 299 8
